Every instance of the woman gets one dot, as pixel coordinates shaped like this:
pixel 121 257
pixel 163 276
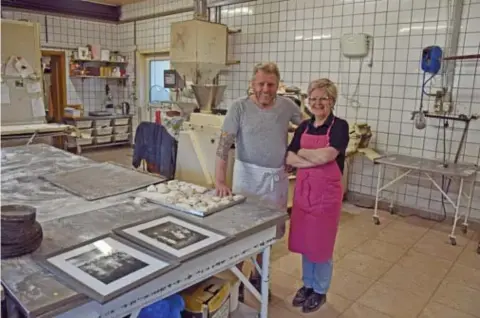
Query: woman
pixel 317 150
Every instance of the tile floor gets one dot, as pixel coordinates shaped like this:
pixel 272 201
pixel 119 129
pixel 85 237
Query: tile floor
pixel 404 267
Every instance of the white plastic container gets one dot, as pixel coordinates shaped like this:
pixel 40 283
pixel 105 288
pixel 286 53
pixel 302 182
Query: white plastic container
pixel 103 123
pixel 81 124
pixel 120 121
pixel 121 137
pixel 103 139
pixel 121 129
pixel 102 131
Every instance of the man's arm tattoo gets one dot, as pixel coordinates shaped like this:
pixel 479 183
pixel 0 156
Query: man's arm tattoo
pixel 225 143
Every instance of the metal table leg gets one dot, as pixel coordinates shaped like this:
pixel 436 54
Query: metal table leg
pixel 453 238
pixel 376 218
pixel 469 206
pixel 265 275
pixel 395 192
pixel 265 281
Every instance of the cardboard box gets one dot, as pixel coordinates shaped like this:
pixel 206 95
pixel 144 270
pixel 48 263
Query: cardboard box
pixel 208 299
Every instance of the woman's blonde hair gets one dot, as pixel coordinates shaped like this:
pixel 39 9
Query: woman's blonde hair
pixel 329 87
pixel 269 68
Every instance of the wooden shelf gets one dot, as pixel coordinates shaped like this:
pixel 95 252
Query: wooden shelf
pixel 93 76
pixel 96 61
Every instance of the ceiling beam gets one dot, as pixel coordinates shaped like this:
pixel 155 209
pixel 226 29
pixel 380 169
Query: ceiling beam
pixel 76 8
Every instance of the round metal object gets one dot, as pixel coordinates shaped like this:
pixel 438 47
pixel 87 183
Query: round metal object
pixel 24 246
pixel 16 213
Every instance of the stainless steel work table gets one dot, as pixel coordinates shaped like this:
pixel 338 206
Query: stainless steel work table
pixel 68 220
pixel 405 165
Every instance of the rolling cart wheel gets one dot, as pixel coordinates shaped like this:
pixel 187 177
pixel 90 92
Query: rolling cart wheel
pixel 453 241
pixel 478 248
pixel 391 210
pixel 464 229
pixel 376 220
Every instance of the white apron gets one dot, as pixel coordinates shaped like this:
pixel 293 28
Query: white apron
pixel 269 185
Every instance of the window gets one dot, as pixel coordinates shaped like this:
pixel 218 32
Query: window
pixel 157 91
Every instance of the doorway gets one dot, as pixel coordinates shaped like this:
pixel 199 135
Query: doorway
pixel 54 84
pixel 54 88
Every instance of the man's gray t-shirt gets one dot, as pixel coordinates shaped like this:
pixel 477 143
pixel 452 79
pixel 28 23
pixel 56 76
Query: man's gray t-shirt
pixel 261 134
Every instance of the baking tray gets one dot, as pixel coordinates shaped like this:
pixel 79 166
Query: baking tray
pixel 101 180
pixel 150 196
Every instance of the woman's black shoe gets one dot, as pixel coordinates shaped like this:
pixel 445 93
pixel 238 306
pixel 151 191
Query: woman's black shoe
pixel 301 296
pixel 313 302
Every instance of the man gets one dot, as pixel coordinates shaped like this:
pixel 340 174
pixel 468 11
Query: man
pixel 258 125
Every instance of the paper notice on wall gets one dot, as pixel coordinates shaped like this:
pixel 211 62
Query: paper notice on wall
pixel 34 87
pixel 38 107
pixel 5 94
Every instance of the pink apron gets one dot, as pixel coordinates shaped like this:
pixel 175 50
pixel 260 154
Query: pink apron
pixel 317 204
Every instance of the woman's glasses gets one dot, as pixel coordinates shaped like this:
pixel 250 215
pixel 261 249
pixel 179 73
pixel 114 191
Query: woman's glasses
pixel 318 100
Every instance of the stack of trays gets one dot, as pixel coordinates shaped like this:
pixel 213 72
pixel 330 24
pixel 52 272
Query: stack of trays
pixel 20 232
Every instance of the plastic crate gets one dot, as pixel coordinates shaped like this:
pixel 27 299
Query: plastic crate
pixel 102 131
pixel 170 307
pixel 103 123
pixel 121 137
pixel 83 124
pixel 121 121
pixel 103 139
pixel 121 129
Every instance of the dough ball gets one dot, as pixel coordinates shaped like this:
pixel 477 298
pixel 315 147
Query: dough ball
pixel 151 188
pixel 172 182
pixel 162 188
pixel 200 189
pixel 192 201
pixel 224 202
pixel 238 197
pixel 139 200
pixel 170 199
pixel 187 190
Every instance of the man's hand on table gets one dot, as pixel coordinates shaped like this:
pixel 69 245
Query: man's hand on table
pixel 222 189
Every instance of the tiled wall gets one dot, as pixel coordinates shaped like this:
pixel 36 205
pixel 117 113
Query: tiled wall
pixel 68 33
pixel 302 36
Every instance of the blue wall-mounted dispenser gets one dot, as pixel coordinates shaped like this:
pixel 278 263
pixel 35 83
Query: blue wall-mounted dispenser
pixel 432 59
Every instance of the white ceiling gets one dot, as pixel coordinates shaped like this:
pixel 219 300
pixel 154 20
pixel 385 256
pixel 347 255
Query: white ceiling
pixel 114 2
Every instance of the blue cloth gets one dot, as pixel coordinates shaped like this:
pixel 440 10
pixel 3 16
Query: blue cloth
pixel 317 275
pixel 157 147
pixel 170 307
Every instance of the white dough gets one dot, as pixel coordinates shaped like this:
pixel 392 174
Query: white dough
pixel 216 199
pixel 200 208
pixel 200 189
pixel 238 197
pixel 139 200
pixel 192 201
pixel 172 182
pixel 224 202
pixel 162 188
pixel 184 206
pixel 151 188
pixel 170 200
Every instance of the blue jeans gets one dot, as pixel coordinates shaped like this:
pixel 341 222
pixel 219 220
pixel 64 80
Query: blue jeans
pixel 317 275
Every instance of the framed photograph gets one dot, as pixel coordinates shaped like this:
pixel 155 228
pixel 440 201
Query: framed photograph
pixel 173 236
pixel 83 53
pixel 106 267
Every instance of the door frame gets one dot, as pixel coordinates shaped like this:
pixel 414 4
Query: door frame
pixel 60 83
pixel 143 79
